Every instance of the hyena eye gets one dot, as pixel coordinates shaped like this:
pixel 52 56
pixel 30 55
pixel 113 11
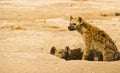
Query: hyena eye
pixel 74 24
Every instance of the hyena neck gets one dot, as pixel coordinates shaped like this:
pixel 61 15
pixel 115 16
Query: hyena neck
pixel 84 27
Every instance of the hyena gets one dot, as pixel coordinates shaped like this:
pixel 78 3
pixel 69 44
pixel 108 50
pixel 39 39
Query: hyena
pixel 94 39
pixel 67 54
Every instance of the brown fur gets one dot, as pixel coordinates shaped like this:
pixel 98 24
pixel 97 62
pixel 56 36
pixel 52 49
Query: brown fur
pixel 95 39
pixel 67 54
pixel 76 54
pixel 94 55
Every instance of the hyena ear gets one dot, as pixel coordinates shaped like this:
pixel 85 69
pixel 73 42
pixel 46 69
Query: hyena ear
pixel 53 50
pixel 67 53
pixel 67 48
pixel 71 17
pixel 80 20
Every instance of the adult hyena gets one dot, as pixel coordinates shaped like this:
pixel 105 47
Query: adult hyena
pixel 95 39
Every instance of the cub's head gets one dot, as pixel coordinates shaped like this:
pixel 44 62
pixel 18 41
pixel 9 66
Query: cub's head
pixel 61 53
pixel 75 23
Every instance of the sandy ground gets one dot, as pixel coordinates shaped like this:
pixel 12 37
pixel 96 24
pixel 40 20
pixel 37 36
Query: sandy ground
pixel 29 28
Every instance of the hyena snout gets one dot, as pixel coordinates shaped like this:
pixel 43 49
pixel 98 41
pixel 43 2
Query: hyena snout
pixel 71 28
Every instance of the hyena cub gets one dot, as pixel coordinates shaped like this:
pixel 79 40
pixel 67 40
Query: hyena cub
pixel 76 54
pixel 67 54
pixel 95 39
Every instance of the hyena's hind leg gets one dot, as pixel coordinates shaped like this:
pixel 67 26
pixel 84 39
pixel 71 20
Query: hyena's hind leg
pixel 110 55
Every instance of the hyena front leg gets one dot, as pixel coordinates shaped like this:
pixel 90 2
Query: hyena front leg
pixel 85 55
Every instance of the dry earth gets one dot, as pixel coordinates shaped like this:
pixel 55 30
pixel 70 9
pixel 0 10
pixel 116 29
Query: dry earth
pixel 29 28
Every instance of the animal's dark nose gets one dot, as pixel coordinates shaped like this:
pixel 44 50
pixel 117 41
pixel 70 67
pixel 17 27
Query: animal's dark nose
pixel 68 27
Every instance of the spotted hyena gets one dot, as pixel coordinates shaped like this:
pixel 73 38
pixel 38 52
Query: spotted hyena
pixel 94 39
pixel 67 54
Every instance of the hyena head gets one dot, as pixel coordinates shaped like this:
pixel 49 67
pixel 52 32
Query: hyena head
pixel 61 53
pixel 75 23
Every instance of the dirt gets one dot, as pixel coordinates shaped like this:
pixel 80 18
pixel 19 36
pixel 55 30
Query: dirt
pixel 29 29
